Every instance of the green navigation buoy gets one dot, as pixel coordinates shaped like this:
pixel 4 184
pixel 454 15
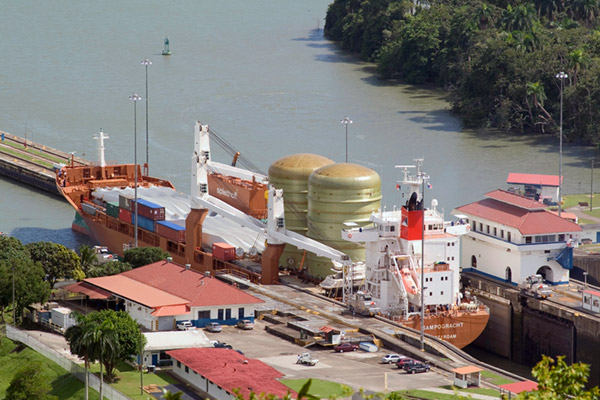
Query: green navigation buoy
pixel 166 51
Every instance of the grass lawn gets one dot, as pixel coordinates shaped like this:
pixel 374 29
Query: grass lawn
pixel 14 356
pixel 128 380
pixel 572 200
pixel 36 152
pixel 495 379
pixel 45 164
pixel 485 391
pixel 319 388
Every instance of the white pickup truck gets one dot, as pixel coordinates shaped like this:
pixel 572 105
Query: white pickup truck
pixel 306 359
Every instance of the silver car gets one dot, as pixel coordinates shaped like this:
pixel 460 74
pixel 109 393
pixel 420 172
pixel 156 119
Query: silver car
pixel 391 358
pixel 213 327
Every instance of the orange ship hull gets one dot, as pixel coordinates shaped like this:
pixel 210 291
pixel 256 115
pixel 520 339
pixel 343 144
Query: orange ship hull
pixel 76 184
pixel 459 328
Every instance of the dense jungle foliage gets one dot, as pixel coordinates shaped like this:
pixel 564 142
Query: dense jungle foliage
pixel 499 59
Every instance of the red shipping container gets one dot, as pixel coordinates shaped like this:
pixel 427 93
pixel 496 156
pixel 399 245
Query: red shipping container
pixel 223 251
pixel 124 215
pixel 170 231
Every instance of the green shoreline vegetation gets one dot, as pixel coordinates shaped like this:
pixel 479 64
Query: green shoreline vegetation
pixel 499 59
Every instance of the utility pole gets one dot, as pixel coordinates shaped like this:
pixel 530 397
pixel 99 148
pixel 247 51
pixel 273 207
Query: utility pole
pixel 592 184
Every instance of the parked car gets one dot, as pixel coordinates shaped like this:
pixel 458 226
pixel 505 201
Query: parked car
pixel 346 346
pixel 405 361
pixel 213 327
pixel 245 324
pixel 416 367
pixel 391 358
pixel 221 345
pixel 185 326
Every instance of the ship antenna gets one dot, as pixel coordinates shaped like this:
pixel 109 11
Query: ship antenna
pixel 101 136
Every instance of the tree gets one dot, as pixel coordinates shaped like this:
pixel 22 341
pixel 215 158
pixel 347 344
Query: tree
pixel 30 286
pixel 103 343
pixel 557 380
pixel 80 345
pixel 87 258
pixel 58 261
pixel 536 91
pixel 29 383
pixel 140 256
pixel 11 249
pixel 108 268
pixel 130 339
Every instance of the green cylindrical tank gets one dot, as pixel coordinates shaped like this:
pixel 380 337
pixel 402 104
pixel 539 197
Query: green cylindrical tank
pixel 291 174
pixel 339 193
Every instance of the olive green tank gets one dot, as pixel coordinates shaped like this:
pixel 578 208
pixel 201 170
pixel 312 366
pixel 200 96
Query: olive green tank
pixel 339 193
pixel 291 174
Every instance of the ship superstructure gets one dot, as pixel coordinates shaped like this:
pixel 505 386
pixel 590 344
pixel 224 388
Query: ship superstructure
pixel 394 264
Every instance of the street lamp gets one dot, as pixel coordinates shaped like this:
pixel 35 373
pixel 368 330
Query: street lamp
pixel 345 122
pixel 591 184
pixel 423 177
pixel 146 63
pixel 562 76
pixel 135 98
pixel 585 274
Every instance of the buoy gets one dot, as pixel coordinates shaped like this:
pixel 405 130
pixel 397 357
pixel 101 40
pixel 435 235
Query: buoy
pixel 166 51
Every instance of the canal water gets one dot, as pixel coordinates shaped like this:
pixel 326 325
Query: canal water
pixel 259 72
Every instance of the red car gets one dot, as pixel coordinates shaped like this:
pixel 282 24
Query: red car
pixel 342 347
pixel 403 362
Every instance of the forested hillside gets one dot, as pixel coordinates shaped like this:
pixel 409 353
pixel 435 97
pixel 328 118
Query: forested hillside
pixel 499 59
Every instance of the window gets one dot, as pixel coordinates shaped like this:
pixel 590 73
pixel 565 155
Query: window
pixel 187 370
pixel 474 226
pixel 487 228
pixel 561 237
pixel 473 261
pixel 392 228
pixel 495 231
pixel 228 313
pixel 442 293
pixel 480 227
pixel 178 364
pixel 508 236
pixel 545 238
pixel 527 239
pixel 220 314
pixel 205 314
pixel 241 313
pixel 502 233
pixel 431 293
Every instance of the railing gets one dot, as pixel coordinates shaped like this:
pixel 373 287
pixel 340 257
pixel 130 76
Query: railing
pixel 79 372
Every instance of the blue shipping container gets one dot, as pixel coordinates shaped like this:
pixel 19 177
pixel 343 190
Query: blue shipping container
pixel 148 204
pixel 143 222
pixel 171 225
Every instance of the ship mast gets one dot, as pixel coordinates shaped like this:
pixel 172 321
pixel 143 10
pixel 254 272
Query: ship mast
pixel 100 138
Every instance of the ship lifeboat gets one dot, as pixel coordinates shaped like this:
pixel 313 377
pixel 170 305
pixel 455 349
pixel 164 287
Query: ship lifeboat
pixel 408 282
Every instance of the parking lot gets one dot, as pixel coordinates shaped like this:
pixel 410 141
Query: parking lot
pixel 356 369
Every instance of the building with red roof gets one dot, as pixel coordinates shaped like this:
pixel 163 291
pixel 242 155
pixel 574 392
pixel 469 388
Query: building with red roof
pixel 543 188
pixel 161 294
pixel 221 372
pixel 513 237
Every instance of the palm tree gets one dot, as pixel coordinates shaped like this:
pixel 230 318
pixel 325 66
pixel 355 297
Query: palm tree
pixel 103 341
pixel 87 258
pixel 536 91
pixel 75 336
pixel 577 61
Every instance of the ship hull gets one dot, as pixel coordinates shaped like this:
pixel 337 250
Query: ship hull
pixel 458 328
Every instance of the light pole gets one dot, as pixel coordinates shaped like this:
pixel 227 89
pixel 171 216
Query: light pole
pixel 562 76
pixel 592 184
pixel 135 98
pixel 14 303
pixel 585 274
pixel 146 63
pixel 423 177
pixel 345 122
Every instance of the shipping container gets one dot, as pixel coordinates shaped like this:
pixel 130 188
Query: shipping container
pixel 143 222
pixel 170 231
pixel 61 316
pixel 112 209
pixel 124 215
pixel 223 251
pixel 150 210
pixel 125 201
pixel 88 208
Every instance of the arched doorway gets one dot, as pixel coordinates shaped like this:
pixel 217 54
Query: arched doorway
pixel 473 261
pixel 546 273
pixel 508 275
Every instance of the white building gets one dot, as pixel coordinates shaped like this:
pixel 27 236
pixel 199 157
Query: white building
pixel 159 295
pixel 513 237
pixel 158 343
pixel 543 188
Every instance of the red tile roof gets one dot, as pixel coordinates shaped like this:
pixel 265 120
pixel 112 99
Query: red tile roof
pixel 532 179
pixel 136 291
pixel 169 284
pixel 193 286
pixel 167 311
pixel 526 221
pixel 469 369
pixel 592 292
pixel 518 387
pixel 91 291
pixel 515 199
pixel 232 370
